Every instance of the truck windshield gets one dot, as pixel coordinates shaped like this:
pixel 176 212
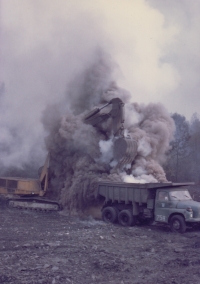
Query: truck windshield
pixel 180 195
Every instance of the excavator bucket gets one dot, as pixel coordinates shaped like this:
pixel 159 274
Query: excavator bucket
pixel 125 150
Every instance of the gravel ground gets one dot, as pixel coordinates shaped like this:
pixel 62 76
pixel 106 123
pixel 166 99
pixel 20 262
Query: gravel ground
pixel 38 247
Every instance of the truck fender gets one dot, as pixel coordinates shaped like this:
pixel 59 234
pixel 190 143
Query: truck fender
pixel 172 214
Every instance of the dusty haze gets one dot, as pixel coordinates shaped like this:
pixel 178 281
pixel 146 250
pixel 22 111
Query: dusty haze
pixel 151 51
pixel 81 155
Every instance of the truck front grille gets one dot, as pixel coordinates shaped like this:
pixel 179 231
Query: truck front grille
pixel 196 213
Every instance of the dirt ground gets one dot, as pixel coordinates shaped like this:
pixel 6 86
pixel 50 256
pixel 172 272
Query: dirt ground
pixel 38 247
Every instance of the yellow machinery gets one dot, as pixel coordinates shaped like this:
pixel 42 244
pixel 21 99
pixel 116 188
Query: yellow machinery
pixel 29 193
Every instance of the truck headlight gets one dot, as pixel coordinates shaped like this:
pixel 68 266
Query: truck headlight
pixel 189 209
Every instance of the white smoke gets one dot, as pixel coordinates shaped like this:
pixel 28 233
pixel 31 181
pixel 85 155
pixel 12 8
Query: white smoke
pixel 45 44
pixel 142 178
pixel 106 149
pixel 144 148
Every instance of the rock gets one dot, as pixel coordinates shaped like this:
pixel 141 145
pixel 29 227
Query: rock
pixel 26 245
pixel 101 237
pixel 54 268
pixel 178 250
pixel 53 244
pixel 94 247
pixel 46 266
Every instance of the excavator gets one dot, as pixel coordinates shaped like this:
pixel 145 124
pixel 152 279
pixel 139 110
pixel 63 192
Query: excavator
pixel 125 148
pixel 25 193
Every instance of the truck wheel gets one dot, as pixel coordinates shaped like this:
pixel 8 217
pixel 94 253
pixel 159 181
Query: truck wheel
pixel 126 218
pixel 177 224
pixel 109 215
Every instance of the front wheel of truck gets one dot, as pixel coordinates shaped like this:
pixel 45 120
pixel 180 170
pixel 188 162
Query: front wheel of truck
pixel 177 224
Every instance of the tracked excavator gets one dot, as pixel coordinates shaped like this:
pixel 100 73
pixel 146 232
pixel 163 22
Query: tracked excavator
pixel 25 193
pixel 124 147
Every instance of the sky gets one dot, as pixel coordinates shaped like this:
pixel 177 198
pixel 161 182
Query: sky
pixel 154 44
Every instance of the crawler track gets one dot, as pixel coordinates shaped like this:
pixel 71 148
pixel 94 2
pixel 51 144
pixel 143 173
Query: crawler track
pixel 38 204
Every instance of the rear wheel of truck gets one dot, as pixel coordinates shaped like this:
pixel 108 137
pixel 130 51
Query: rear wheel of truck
pixel 177 224
pixel 126 218
pixel 109 215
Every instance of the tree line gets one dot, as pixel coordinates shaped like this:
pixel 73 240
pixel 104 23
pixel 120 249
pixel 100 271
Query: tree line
pixel 183 159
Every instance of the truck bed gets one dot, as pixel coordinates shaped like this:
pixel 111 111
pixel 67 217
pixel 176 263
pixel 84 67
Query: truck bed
pixel 132 192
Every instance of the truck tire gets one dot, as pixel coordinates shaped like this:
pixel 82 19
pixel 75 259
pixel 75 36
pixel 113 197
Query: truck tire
pixel 126 218
pixel 177 224
pixel 109 215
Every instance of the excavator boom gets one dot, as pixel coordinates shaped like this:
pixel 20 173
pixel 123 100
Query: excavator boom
pixel 94 117
pixel 125 148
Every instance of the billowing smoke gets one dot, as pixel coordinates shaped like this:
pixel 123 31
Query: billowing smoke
pixel 153 42
pixel 82 155
pixel 153 132
pixel 43 60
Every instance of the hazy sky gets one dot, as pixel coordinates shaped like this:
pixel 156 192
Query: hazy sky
pixel 45 43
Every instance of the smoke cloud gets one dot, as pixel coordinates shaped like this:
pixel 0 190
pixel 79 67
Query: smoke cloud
pixel 56 65
pixel 82 155
pixel 44 46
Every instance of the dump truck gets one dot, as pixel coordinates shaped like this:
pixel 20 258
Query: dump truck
pixel 26 193
pixel 132 203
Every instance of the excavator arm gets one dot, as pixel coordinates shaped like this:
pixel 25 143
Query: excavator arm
pixel 125 148
pixel 95 117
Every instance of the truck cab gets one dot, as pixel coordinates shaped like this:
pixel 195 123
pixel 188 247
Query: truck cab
pixel 176 207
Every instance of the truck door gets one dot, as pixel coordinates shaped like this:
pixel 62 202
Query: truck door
pixel 162 205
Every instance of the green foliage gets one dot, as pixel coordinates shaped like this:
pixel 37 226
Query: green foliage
pixel 183 163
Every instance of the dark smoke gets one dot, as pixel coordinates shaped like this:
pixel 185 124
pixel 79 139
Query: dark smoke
pixel 87 89
pixel 77 149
